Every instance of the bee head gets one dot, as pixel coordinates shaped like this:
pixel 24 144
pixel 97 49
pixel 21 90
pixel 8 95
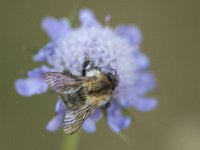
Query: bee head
pixel 112 77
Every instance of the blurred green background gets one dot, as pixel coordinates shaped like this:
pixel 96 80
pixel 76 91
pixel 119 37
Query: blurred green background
pixel 171 40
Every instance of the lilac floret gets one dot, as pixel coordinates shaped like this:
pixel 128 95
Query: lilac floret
pixel 33 85
pixel 30 86
pixel 56 28
pixel 141 60
pixel 56 122
pixel 145 83
pixel 87 18
pixel 130 32
pixel 144 104
pixel 116 120
pixel 36 73
pixel 90 123
pixel 117 48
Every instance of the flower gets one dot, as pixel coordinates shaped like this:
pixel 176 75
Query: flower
pixel 117 48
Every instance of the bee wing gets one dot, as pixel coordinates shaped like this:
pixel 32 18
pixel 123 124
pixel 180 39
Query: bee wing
pixel 62 84
pixel 75 118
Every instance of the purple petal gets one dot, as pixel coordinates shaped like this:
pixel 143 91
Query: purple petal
pixel 56 28
pixel 36 73
pixel 130 32
pixel 145 104
pixel 87 18
pixel 55 123
pixel 39 56
pixel 45 54
pixel 96 116
pixel 118 123
pixel 127 101
pixel 126 95
pixel 141 60
pixel 30 86
pixel 116 120
pixel 144 83
pixel 89 125
pixel 60 107
pixel 114 109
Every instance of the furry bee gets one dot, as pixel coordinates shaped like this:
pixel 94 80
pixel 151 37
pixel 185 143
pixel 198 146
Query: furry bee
pixel 82 95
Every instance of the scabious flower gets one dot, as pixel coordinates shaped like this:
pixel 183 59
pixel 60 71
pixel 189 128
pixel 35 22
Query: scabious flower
pixel 117 48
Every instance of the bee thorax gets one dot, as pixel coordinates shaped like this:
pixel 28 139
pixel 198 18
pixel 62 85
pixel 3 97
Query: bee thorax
pixel 93 73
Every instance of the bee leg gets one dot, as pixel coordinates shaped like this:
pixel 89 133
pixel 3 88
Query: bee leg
pixel 66 72
pixel 85 64
pixel 106 106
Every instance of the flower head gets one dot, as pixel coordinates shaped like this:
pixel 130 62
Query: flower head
pixel 106 47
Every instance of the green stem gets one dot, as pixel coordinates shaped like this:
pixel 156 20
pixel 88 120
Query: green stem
pixel 73 14
pixel 71 142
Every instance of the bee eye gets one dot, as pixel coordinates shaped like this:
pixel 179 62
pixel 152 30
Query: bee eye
pixel 114 72
pixel 110 77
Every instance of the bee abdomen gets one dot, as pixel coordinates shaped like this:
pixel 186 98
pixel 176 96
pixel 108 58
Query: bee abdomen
pixel 74 100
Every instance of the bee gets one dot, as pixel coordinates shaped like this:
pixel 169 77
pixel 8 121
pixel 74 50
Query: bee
pixel 82 95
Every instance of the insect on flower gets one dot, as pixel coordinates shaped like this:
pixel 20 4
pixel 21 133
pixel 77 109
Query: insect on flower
pixel 82 95
pixel 89 51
